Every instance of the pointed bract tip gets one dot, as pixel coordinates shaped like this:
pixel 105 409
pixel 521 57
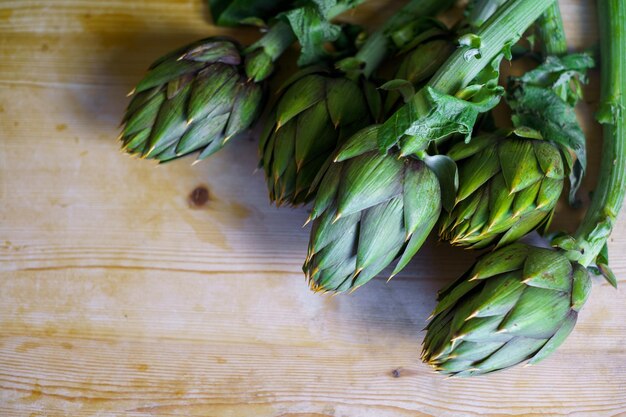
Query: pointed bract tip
pixel 337 217
pixel 196 162
pixel 131 92
pixel 357 272
pixel 147 154
pixel 457 337
pixel 471 316
pixel 474 278
pixel 354 289
pixel 189 121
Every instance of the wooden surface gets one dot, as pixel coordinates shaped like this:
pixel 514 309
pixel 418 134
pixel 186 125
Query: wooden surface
pixel 120 296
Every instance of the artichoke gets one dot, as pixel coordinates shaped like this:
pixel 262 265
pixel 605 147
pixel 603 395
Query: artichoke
pixel 517 303
pixel 429 45
pixel 195 98
pixel 508 186
pixel 316 111
pixel 370 209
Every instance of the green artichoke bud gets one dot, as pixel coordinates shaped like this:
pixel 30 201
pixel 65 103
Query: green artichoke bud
pixel 316 111
pixel 508 186
pixel 370 209
pixel 516 304
pixel 424 54
pixel 193 99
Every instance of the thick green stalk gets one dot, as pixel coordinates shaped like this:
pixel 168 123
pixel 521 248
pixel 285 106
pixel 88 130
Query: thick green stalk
pixel 377 46
pixel 504 27
pixel 608 196
pixel 551 31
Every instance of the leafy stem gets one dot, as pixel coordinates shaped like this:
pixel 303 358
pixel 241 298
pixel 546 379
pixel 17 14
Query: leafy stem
pixel 504 28
pixel 597 225
pixel 551 31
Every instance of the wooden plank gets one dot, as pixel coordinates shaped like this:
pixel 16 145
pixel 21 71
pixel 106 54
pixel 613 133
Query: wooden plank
pixel 122 296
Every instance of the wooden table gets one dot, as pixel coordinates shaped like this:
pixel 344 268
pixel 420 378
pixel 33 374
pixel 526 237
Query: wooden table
pixel 121 296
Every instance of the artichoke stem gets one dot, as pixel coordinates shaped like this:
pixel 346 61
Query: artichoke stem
pixel 608 196
pixel 551 31
pixel 504 27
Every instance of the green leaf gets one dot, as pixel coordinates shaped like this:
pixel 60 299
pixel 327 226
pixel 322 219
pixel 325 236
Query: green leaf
pixel 519 164
pixel 346 103
pixel 168 71
pixel 543 110
pixel 484 330
pixel 246 108
pixel 404 87
pixel 499 295
pixel 556 340
pixel 381 232
pixel 462 150
pixel 304 93
pixel 365 140
pixel 477 171
pixel 513 352
pixel 212 91
pixel 538 314
pixel 454 293
pixel 311 25
pixel 581 286
pixel 145 116
pixel 213 50
pixel 448 175
pixel 369 180
pixel 549 269
pixel 602 262
pixel 201 133
pixel 170 123
pixel 473 351
pixel 233 12
pixel 506 259
pixel 431 116
pixel 562 75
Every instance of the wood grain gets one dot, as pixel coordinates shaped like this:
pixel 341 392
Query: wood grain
pixel 121 295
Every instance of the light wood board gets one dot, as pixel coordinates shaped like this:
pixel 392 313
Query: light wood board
pixel 119 297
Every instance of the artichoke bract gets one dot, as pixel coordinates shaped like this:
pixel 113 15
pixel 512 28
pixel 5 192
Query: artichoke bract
pixel 508 186
pixel 518 303
pixel 370 209
pixel 316 111
pixel 193 99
